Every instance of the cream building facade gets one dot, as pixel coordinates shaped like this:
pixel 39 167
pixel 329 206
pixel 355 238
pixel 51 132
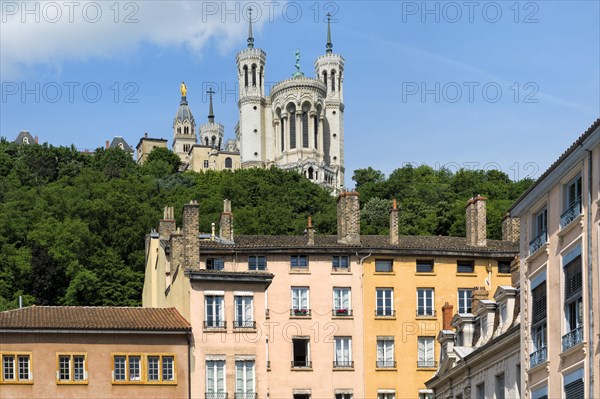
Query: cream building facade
pixel 560 288
pixel 298 125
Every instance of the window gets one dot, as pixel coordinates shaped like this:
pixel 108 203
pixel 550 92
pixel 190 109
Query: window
pixel 213 311
pixel 573 385
pixel 282 134
pixel 128 368
pixel 257 262
pixel 480 391
pixel 465 266
pixel 301 357
pixel 342 304
pixel 386 395
pixel 253 74
pixel 25 140
pixel 205 163
pixel 300 302
pixel 385 352
pixel 541 393
pixel 299 261
pixel 292 112
pixel 383 265
pixel 540 235
pixel 504 266
pixel 538 320
pixel 572 202
pixel 340 262
pixel 16 368
pixel 385 302
pixel 343 352
pixel 316 131
pixel 186 147
pixel 245 75
pixel 244 312
pixel 332 80
pixel 72 368
pixel 305 129
pixel 425 302
pixel 215 264
pixel 573 298
pixel 215 379
pixel 464 300
pixel 424 266
pixel 499 386
pixel 228 163
pixel 426 352
pixel 244 379
pixel 343 395
pixel 301 396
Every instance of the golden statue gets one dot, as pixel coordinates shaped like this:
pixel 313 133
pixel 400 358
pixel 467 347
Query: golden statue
pixel 183 89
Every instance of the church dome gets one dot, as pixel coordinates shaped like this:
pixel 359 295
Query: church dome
pixel 184 113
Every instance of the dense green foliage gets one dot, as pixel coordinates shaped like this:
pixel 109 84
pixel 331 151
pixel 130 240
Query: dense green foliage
pixel 72 226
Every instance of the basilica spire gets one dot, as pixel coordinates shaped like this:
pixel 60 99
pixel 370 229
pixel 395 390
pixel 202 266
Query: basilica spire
pixel 250 36
pixel 329 46
pixel 211 115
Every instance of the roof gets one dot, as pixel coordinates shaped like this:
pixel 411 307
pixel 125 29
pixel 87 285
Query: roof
pixel 120 140
pixel 24 134
pixel 560 159
pixel 93 318
pixel 414 244
pixel 184 113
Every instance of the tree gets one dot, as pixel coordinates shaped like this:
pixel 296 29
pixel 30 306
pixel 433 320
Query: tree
pixel 163 156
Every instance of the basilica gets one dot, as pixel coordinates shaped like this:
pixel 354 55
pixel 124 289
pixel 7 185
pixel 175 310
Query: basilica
pixel 298 126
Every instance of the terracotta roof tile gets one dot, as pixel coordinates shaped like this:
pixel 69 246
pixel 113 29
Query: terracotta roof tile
pixel 94 318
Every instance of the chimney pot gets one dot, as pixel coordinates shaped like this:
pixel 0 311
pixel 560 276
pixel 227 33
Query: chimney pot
pixel 394 223
pixel 107 144
pixel 310 231
pixel 36 139
pixel 348 218
pixel 447 316
pixel 226 222
pixel 146 135
pixel 476 223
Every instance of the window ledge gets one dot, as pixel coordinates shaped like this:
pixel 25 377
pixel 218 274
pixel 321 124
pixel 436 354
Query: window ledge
pixel 221 330
pixel 543 365
pixel 301 369
pixel 341 271
pixel 578 221
pixel 343 369
pixel 504 274
pixel 576 348
pixel 342 317
pixel 386 369
pixel 144 382
pixel 426 368
pixel 541 250
pixel 72 382
pixel 466 274
pixel 384 273
pixel 425 274
pixel 385 317
pixel 424 317
pixel 242 330
pixel 299 271
pixel 28 382
pixel 301 317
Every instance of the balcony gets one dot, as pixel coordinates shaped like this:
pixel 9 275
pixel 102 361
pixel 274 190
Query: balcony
pixel 300 312
pixel 538 242
pixel 341 312
pixel 572 338
pixel 215 325
pixel 245 395
pixel 538 357
pixel 426 364
pixel 425 312
pixel 215 395
pixel 244 324
pixel 386 364
pixel 301 364
pixel 385 313
pixel 343 364
pixel 570 214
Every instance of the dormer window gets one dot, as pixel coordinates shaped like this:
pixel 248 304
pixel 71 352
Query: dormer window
pixel 25 140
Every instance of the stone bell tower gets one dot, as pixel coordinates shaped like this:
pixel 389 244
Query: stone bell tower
pixel 184 128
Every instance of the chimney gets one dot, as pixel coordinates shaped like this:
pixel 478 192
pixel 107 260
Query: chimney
pixel 226 222
pixel 348 218
pixel 107 144
pixel 478 294
pixel 36 140
pixel 191 245
pixel 145 135
pixel 394 223
pixel 447 316
pixel 476 221
pixel 167 225
pixel 510 229
pixel 310 231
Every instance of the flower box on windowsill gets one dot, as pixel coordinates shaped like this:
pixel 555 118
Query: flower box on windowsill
pixel 343 312
pixel 300 312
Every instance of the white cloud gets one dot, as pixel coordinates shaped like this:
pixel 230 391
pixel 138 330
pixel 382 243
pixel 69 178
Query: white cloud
pixel 51 32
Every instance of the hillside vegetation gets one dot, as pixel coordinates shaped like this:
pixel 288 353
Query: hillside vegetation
pixel 72 226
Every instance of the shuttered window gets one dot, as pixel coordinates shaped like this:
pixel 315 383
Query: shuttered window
pixel 538 306
pixel 573 279
pixel 574 390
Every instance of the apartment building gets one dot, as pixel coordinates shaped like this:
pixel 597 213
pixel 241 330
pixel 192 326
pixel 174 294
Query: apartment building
pixel 559 275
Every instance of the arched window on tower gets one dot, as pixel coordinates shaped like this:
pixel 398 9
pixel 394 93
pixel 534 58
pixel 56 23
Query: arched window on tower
pixel 178 129
pixel 186 130
pixel 253 74
pixel 332 80
pixel 325 78
pixel 292 113
pixel 304 129
pixel 282 134
pixel 310 173
pixel 206 141
pixel 213 141
pixel 316 126
pixel 245 75
pixel 228 163
pixel 260 76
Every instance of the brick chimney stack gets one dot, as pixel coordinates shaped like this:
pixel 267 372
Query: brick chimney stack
pixel 478 294
pixel 107 144
pixel 394 223
pixel 511 229
pixel 36 139
pixel 310 231
pixel 447 313
pixel 348 218
pixel 226 222
pixel 476 221
pixel 167 225
pixel 191 244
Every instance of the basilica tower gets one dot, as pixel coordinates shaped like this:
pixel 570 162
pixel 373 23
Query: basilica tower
pixel 184 128
pixel 211 133
pixel 251 132
pixel 329 69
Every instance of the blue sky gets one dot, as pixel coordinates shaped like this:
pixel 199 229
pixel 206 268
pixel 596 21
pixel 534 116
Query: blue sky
pixel 505 85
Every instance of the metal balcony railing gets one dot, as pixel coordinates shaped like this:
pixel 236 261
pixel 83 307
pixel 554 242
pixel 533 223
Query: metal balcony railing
pixel 426 364
pixel 572 338
pixel 386 364
pixel 343 364
pixel 426 312
pixel 385 312
pixel 216 324
pixel 300 312
pixel 215 395
pixel 301 364
pixel 538 357
pixel 538 242
pixel 244 324
pixel 245 395
pixel 341 312
pixel 570 214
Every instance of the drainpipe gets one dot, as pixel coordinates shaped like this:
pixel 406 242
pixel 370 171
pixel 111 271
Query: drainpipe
pixel 362 305
pixel 189 373
pixel 590 270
